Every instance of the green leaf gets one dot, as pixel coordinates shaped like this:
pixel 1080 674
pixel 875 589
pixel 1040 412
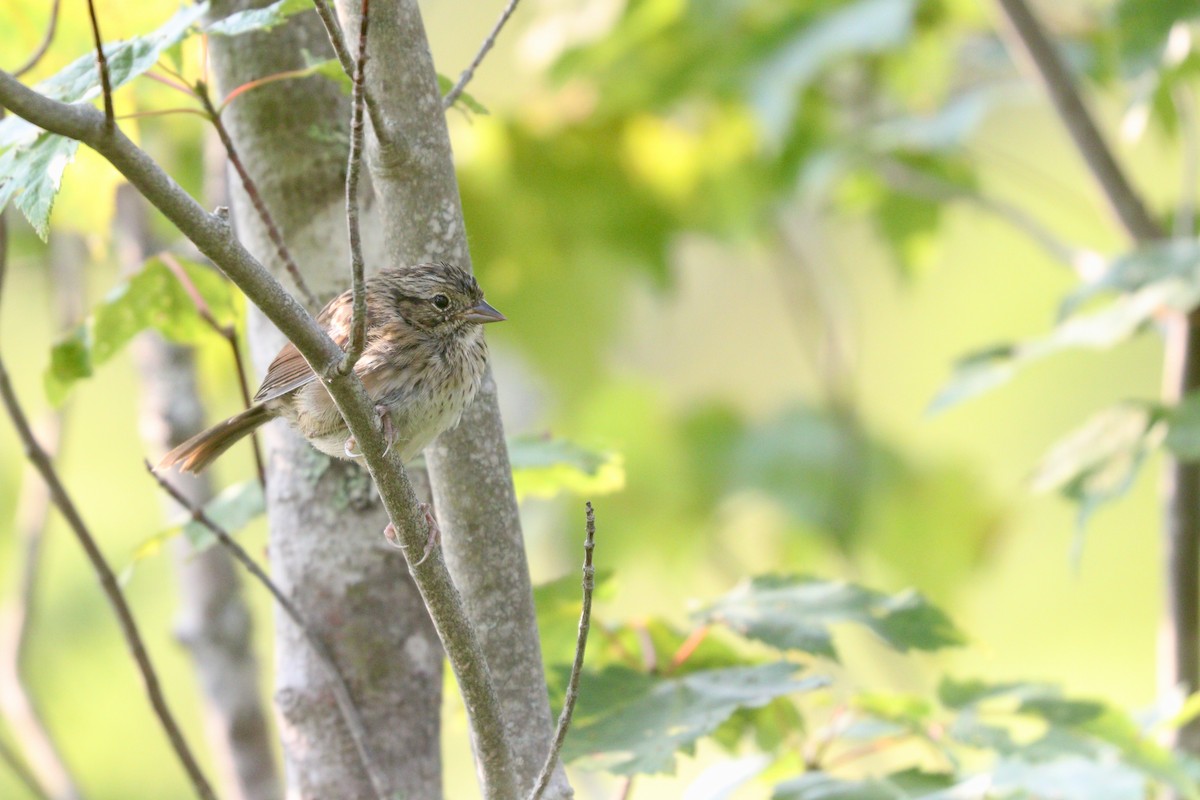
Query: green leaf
pixel 32 174
pixel 911 784
pixel 544 467
pixel 464 99
pixel 1175 259
pixel 795 613
pixel 1142 29
pixel 558 604
pixel 1099 461
pixel 258 19
pixel 153 298
pixel 863 27
pixel 630 723
pixel 976 374
pixel 1073 778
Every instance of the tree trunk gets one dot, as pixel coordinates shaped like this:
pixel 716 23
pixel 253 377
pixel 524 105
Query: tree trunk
pixel 326 547
pixel 413 172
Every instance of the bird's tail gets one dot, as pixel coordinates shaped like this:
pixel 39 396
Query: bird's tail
pixel 202 449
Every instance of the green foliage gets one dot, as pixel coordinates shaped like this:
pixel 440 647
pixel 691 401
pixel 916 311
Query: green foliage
pixel 543 467
pixel 795 613
pixel 258 19
pixel 154 298
pixel 33 174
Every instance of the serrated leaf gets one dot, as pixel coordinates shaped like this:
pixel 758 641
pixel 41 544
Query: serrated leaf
pixel 796 613
pixel 544 467
pixel 464 99
pixel 32 174
pixel 153 298
pixel 258 19
pixel 633 723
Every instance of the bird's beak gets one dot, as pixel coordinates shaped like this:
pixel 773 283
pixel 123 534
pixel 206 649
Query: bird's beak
pixel 483 313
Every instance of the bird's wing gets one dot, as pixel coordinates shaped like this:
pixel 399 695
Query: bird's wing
pixel 289 370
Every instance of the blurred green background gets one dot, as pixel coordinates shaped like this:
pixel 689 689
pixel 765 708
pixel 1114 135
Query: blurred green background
pixel 673 295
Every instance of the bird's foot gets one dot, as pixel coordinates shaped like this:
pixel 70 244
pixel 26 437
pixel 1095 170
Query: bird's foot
pixel 389 434
pixel 433 540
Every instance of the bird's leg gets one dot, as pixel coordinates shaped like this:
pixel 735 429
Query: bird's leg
pixel 389 434
pixel 435 534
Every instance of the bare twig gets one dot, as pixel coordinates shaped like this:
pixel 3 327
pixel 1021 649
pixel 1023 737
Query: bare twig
pixel 51 28
pixel 1049 67
pixel 452 96
pixel 252 192
pixel 572 695
pixel 341 691
pixel 358 322
pixel 102 65
pixel 229 334
pixel 108 582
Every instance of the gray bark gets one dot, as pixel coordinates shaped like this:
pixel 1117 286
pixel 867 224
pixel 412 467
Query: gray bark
pixel 214 623
pixel 326 547
pixel 413 173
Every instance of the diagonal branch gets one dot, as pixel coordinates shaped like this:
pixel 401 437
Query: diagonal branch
pixel 36 56
pixel 285 255
pixel 572 695
pixel 1050 68
pixel 213 237
pixel 102 66
pixel 108 582
pixel 358 322
pixel 341 691
pixel 452 96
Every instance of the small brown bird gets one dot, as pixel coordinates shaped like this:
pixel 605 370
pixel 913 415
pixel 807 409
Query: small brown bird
pixel 422 365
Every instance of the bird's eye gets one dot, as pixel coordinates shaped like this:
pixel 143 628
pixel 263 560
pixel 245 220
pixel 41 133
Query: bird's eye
pixel 441 302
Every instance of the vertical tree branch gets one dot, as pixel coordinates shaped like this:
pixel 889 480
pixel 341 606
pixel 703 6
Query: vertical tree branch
pixel 572 695
pixel 358 322
pixel 1180 656
pixel 456 91
pixel 108 581
pixel 102 66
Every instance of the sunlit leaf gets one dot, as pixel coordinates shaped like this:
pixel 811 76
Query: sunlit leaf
pixel 796 613
pixel 1175 259
pixel 1072 778
pixel 1142 29
pixel 629 722
pixel 258 19
pixel 544 467
pixel 907 785
pixel 32 174
pixel 153 298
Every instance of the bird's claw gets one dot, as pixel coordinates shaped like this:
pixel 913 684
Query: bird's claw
pixel 433 540
pixel 385 421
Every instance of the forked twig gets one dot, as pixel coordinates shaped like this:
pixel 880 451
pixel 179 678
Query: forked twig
pixel 452 96
pixel 572 695
pixel 341 690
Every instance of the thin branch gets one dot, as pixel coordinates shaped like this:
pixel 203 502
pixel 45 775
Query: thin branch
pixel 1085 263
pixel 42 48
pixel 252 192
pixel 1124 200
pixel 214 238
pixel 108 582
pixel 358 322
pixel 1189 173
pixel 102 66
pixel 341 691
pixel 176 85
pixel 572 695
pixel 229 334
pixel 338 42
pixel 452 96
